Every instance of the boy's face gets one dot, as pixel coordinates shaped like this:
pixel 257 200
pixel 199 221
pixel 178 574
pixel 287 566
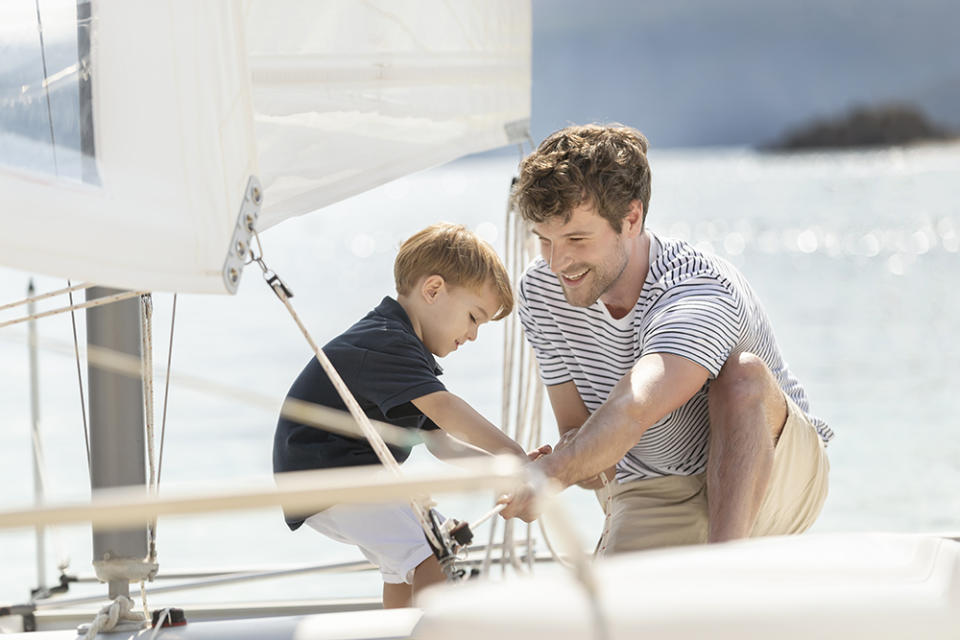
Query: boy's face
pixel 454 314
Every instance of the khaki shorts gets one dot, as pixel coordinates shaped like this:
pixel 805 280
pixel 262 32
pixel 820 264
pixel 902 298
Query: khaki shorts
pixel 672 510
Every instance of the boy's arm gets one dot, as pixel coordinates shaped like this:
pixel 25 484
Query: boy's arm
pixel 452 414
pixel 446 447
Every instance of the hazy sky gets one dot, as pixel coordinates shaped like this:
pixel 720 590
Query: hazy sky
pixel 711 72
pixel 703 72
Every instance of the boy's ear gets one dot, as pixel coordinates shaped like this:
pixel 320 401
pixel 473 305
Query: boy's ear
pixel 432 287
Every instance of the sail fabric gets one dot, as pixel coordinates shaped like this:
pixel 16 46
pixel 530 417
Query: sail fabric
pixel 349 95
pixel 127 138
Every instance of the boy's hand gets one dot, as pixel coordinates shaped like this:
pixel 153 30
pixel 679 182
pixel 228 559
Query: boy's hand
pixel 543 450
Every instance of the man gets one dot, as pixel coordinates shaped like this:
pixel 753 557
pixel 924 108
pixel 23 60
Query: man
pixel 658 359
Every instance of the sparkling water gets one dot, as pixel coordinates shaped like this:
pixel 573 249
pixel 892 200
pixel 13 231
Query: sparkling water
pixel 855 255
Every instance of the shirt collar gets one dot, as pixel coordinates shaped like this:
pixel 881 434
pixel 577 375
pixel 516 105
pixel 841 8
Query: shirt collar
pixel 390 308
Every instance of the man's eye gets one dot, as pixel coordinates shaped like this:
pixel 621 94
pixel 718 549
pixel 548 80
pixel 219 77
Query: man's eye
pixel 473 319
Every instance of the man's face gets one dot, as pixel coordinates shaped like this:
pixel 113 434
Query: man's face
pixel 585 253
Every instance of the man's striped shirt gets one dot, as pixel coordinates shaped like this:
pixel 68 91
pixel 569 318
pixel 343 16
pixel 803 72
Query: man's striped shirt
pixel 693 305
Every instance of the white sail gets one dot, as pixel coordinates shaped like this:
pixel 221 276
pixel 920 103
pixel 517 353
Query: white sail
pixel 319 100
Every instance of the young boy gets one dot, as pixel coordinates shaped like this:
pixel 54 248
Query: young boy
pixel 449 282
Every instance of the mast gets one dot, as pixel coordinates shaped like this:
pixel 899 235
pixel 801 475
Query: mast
pixel 117 439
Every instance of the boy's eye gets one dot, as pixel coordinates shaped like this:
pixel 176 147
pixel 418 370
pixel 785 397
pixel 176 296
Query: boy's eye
pixel 473 319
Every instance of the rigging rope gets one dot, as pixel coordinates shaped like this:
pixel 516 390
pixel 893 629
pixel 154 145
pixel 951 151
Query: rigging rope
pixel 146 372
pixel 43 296
pixel 116 616
pixel 166 389
pixel 76 349
pixel 86 305
pixel 521 391
pixel 523 396
pixel 46 88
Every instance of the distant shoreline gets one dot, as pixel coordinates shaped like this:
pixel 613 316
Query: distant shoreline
pixel 864 127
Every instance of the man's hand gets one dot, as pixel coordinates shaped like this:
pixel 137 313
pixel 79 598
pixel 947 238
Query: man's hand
pixel 543 450
pixel 525 501
pixel 520 504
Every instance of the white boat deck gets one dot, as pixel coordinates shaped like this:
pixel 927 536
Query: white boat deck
pixel 249 623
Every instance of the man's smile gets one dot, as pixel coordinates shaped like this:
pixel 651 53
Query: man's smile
pixel 574 278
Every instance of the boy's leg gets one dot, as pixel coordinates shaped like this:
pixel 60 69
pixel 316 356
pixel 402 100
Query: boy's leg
pixel 397 595
pixel 390 536
pixel 427 573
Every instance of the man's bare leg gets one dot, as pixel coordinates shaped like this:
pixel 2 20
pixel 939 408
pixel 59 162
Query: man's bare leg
pixel 747 414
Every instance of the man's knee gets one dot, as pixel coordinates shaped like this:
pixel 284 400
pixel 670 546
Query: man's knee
pixel 746 384
pixel 744 380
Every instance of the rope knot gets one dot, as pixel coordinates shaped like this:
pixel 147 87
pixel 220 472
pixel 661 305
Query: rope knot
pixel 116 616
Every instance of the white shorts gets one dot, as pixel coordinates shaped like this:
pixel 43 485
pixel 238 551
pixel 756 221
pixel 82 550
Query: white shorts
pixel 388 535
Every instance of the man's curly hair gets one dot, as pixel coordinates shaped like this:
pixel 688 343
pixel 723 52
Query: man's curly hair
pixel 602 165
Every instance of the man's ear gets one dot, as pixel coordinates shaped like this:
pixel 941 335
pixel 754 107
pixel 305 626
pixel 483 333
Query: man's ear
pixel 432 287
pixel 633 221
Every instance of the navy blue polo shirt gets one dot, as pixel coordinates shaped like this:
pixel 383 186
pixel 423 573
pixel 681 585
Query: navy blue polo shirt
pixel 385 365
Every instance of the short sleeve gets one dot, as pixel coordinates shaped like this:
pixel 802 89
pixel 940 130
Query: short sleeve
pixel 538 328
pixel 700 320
pixel 394 373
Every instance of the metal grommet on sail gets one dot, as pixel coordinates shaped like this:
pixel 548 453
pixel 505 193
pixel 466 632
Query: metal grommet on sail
pixel 243 232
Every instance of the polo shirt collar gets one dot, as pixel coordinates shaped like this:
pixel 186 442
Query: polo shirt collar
pixel 390 308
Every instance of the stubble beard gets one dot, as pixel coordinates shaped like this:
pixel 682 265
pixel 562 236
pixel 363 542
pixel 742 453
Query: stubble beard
pixel 602 281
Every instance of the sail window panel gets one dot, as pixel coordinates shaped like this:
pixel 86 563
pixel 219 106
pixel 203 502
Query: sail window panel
pixel 39 72
pixel 172 129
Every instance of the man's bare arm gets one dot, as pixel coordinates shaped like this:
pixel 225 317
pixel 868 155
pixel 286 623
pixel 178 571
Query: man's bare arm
pixel 656 385
pixel 571 412
pixel 568 406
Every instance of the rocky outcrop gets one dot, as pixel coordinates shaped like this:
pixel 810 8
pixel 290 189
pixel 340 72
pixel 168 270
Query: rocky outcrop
pixel 878 126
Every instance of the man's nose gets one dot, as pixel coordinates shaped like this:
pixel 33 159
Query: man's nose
pixel 558 260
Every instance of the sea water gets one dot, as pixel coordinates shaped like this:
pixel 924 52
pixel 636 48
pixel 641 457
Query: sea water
pixel 855 254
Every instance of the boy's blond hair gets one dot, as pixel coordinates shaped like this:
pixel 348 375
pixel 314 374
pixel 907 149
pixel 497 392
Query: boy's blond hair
pixel 459 256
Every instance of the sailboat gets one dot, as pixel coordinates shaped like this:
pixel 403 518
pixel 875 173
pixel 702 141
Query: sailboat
pixel 176 133
pixel 194 118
